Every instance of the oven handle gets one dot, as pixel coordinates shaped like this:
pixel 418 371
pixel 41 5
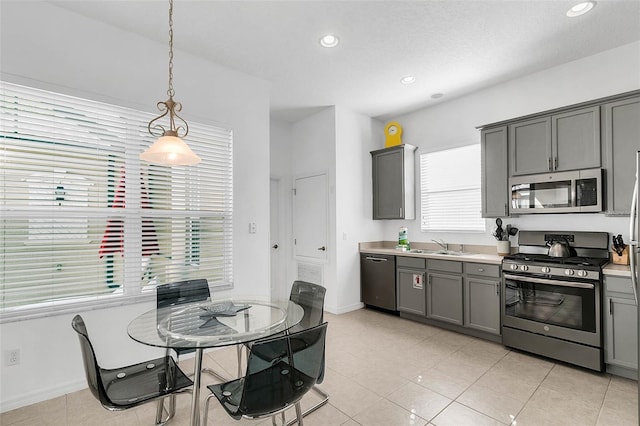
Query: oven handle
pixel 550 282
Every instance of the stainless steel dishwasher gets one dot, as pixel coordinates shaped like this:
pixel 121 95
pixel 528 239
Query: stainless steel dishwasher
pixel 378 280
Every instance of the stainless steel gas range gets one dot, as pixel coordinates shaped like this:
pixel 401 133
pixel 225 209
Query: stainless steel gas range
pixel 551 306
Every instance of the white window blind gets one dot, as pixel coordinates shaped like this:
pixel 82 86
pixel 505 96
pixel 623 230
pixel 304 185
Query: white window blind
pixel 84 221
pixel 450 190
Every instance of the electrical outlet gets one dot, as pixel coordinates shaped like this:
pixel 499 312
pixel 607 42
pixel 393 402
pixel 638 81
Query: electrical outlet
pixel 13 357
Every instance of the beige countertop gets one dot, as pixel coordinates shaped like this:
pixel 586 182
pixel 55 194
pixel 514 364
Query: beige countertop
pixel 470 253
pixel 617 270
pixel 478 254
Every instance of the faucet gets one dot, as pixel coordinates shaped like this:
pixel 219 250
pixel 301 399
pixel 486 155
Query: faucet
pixel 442 244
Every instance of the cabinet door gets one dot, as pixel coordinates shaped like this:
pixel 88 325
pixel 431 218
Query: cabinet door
pixel 576 139
pixel 482 304
pixel 622 138
pixel 411 293
pixel 495 173
pixel 622 332
pixel 393 182
pixel 444 298
pixel 530 146
pixel 388 183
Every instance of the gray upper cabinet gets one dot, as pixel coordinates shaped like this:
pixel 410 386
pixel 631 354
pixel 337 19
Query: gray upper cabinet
pixel 621 138
pixel 495 172
pixel 576 139
pixel 530 146
pixel 560 142
pixel 394 182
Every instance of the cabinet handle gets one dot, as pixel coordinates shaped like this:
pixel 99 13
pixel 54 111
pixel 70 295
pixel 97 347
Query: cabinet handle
pixel 480 269
pixel 610 306
pixel 497 289
pixel 323 248
pixel 555 163
pixel 549 163
pixel 505 209
pixel 376 259
pixel 400 209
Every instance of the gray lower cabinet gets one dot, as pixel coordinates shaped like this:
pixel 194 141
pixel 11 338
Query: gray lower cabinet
pixel 444 291
pixel 495 172
pixel 482 297
pixel 621 326
pixel 410 279
pixel 621 138
pixel 565 141
pixel 393 182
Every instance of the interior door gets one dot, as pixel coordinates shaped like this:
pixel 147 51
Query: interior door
pixel 310 217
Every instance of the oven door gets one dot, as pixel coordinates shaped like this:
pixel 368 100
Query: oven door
pixel 562 308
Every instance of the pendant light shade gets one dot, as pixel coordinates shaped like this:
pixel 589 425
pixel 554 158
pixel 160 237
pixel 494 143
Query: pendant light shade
pixel 170 149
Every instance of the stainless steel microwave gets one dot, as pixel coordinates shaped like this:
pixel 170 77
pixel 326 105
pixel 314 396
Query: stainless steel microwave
pixel 578 191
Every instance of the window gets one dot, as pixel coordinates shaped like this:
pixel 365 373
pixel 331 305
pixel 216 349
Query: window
pixel 450 190
pixel 85 222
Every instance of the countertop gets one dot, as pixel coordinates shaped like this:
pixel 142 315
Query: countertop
pixel 465 256
pixel 617 270
pixel 478 254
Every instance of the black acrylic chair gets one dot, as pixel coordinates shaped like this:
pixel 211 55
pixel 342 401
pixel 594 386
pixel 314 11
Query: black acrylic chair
pixel 276 382
pixel 134 385
pixel 311 297
pixel 180 293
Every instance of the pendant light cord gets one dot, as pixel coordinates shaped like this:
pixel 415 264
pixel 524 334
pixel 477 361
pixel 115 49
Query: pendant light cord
pixel 170 92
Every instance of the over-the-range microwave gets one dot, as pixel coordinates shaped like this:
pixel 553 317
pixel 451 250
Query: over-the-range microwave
pixel 578 191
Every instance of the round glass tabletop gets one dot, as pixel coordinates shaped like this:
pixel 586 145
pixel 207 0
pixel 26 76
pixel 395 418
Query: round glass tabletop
pixel 214 323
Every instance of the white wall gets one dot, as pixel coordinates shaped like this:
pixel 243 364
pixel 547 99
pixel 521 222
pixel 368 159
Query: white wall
pixel 281 158
pixel 313 151
pixel 453 123
pixel 356 137
pixel 48 47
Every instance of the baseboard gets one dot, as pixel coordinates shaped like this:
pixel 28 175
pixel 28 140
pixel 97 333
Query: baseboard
pixel 343 309
pixel 41 395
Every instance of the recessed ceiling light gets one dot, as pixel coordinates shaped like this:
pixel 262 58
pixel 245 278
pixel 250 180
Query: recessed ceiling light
pixel 437 95
pixel 580 9
pixel 329 40
pixel 408 79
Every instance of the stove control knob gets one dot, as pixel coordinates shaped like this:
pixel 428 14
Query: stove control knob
pixel 582 273
pixel 569 271
pixel 545 269
pixel 513 266
pixel 524 268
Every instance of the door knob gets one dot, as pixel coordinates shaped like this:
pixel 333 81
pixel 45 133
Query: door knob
pixel 323 248
pixel 275 246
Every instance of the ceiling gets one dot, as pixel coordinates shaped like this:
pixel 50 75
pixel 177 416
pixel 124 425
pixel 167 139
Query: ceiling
pixel 451 47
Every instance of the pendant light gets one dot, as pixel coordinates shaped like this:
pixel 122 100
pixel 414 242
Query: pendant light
pixel 169 149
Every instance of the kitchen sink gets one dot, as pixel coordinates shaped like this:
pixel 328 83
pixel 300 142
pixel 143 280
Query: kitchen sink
pixel 443 252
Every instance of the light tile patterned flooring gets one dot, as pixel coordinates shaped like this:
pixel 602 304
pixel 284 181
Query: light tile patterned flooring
pixel 384 370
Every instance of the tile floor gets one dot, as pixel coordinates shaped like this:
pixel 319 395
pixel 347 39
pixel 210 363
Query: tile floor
pixel 384 370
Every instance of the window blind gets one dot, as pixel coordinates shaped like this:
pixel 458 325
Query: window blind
pixel 84 221
pixel 450 190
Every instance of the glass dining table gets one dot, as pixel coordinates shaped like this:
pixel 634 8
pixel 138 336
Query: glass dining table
pixel 210 324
